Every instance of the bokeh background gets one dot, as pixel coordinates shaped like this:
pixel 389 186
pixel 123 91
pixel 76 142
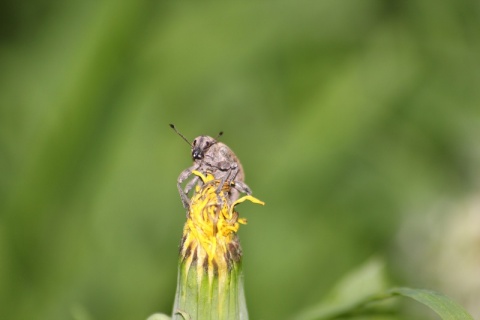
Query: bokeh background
pixel 357 122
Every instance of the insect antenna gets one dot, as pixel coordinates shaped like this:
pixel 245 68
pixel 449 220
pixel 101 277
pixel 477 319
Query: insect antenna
pixel 219 135
pixel 181 135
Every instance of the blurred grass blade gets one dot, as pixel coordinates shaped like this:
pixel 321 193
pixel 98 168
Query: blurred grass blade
pixel 352 290
pixel 362 293
pixel 441 304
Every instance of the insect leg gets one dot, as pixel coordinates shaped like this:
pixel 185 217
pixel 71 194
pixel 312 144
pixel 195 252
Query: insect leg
pixel 233 194
pixel 239 184
pixel 242 187
pixel 183 195
pixel 222 182
pixel 190 184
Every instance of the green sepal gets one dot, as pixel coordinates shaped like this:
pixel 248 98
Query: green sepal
pixel 200 296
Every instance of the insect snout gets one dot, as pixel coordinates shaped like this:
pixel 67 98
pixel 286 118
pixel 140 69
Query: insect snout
pixel 197 154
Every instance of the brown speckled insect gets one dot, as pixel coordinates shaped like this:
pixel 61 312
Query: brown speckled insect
pixel 211 156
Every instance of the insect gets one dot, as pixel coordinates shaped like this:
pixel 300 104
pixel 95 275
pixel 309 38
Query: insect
pixel 216 158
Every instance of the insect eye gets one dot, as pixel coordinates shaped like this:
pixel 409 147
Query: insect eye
pixel 195 142
pixel 207 144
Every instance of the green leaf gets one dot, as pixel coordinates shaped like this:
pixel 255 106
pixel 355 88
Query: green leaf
pixel 350 292
pixel 362 293
pixel 159 316
pixel 441 304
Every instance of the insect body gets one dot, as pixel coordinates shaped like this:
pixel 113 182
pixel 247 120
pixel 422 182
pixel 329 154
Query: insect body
pixel 216 158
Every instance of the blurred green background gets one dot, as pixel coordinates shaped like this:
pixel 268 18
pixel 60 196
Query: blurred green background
pixel 357 122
